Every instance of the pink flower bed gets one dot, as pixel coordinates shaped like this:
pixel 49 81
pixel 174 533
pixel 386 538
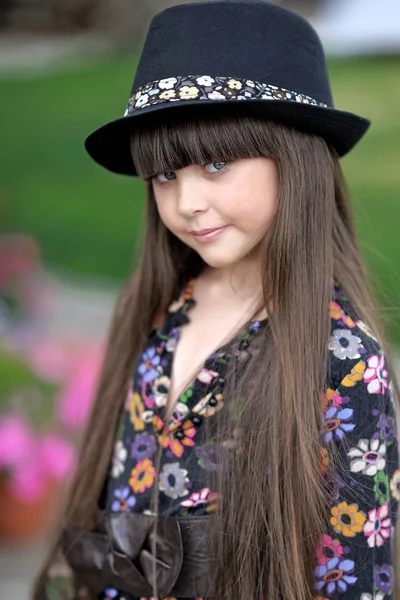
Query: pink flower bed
pixel 29 458
pixel 49 385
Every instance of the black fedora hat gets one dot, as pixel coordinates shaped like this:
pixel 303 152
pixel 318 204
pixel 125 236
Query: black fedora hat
pixel 228 57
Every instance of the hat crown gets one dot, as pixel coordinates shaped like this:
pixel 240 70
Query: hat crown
pixel 248 39
pixel 228 58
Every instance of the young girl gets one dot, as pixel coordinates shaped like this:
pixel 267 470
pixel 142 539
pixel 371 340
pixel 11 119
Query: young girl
pixel 243 441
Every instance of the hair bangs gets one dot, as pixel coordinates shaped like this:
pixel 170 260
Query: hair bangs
pixel 175 145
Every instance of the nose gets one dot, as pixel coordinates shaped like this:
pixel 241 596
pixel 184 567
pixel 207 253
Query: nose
pixel 192 194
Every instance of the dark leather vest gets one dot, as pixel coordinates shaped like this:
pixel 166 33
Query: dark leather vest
pixel 118 554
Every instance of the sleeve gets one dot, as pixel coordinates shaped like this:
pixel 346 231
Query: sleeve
pixel 355 556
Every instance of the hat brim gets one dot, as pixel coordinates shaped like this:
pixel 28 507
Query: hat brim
pixel 109 145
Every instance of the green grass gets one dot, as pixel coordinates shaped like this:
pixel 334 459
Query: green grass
pixel 371 87
pixel 87 219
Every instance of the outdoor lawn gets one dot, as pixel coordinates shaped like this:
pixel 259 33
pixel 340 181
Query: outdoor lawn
pixel 87 220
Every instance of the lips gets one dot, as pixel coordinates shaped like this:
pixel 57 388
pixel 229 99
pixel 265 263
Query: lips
pixel 203 236
pixel 206 231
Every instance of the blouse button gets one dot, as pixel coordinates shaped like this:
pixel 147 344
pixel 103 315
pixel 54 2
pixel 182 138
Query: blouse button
pixel 213 401
pixel 179 434
pixel 196 420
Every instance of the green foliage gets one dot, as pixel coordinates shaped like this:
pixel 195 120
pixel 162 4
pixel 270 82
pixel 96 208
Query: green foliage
pixel 85 219
pixel 88 220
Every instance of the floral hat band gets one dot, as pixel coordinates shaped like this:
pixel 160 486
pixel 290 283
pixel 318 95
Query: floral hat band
pixel 219 58
pixel 204 87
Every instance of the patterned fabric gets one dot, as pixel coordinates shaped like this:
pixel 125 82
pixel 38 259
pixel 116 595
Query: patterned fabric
pixel 204 87
pixel 354 557
pixel 186 453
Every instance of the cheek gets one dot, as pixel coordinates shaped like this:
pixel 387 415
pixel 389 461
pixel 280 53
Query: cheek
pixel 252 210
pixel 165 210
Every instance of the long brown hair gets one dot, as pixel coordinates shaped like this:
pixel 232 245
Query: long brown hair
pixel 260 538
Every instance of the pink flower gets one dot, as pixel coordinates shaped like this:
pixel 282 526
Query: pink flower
pixel 50 457
pixel 57 455
pixel 17 441
pixel 376 375
pixel 199 498
pixel 51 360
pixel 206 376
pixel 328 549
pixel 332 398
pixel 30 460
pixel 377 527
pixel 20 458
pixel 75 401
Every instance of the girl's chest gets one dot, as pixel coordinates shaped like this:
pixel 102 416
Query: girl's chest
pixel 177 460
pixel 207 332
pixel 176 454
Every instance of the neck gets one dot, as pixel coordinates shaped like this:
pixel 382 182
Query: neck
pixel 242 280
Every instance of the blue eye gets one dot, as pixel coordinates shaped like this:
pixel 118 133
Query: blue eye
pixel 169 175
pixel 218 166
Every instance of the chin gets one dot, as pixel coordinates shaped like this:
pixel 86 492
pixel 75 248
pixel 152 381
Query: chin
pixel 218 261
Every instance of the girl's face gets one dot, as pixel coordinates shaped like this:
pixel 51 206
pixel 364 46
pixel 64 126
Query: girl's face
pixel 222 209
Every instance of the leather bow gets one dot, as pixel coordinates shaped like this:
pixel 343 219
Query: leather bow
pixel 118 554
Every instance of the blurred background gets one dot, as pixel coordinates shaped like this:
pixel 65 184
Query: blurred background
pixel 68 229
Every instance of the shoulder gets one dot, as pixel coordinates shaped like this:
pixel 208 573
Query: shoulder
pixel 355 352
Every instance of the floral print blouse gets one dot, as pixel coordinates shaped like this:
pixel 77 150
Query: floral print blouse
pixel 354 557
